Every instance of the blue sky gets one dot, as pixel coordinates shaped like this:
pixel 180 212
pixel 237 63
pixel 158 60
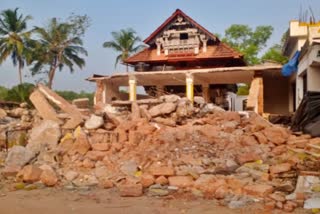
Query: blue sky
pixel 145 16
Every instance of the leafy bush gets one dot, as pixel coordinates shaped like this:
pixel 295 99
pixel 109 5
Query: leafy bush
pixel 71 95
pixel 3 93
pixel 243 90
pixel 20 93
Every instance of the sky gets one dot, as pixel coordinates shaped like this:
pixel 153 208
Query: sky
pixel 144 16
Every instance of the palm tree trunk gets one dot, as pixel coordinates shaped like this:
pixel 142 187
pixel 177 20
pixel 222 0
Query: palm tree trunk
pixel 20 72
pixel 52 71
pixel 51 76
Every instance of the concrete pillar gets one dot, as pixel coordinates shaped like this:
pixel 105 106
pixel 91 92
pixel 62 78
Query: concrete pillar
pixel 158 48
pixel 206 92
pixel 189 87
pixel 255 99
pixel 98 97
pixel 196 50
pixel 204 49
pixel 260 98
pixel 132 88
pixel 166 52
pixel 204 41
pixel 111 92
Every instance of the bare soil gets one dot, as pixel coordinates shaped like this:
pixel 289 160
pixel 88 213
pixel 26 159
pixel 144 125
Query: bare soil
pixel 57 201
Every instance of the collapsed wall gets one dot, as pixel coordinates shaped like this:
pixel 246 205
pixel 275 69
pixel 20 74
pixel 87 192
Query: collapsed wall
pixel 167 146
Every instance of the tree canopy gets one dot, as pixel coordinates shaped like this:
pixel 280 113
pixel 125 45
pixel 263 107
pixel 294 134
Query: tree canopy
pixel 124 41
pixel 247 41
pixel 13 38
pixel 60 45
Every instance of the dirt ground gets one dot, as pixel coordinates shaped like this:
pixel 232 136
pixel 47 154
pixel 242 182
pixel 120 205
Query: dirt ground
pixel 53 201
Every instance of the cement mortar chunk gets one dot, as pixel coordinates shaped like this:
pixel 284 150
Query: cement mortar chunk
pixel 199 100
pixel 94 122
pixel 162 109
pixel 44 136
pixel 3 113
pixel 19 156
pixel 71 175
pixel 129 167
pixel 172 98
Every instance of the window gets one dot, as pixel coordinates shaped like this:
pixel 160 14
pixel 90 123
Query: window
pixel 184 36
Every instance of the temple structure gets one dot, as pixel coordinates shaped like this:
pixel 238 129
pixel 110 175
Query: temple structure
pixel 184 58
pixel 181 43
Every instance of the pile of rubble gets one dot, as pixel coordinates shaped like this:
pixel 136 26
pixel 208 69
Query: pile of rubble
pixel 167 147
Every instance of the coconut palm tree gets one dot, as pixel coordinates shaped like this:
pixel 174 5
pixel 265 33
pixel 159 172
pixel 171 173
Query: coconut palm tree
pixel 126 42
pixel 13 38
pixel 57 47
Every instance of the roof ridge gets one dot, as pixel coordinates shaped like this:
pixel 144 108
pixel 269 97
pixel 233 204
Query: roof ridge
pixel 168 20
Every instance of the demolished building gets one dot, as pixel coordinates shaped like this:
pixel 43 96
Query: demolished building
pixel 183 57
pixel 303 47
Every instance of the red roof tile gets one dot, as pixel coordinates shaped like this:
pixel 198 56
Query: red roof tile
pixel 216 51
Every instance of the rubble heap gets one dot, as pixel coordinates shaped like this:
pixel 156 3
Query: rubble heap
pixel 169 147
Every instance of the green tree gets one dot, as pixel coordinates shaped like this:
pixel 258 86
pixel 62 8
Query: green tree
pixel 243 89
pixel 20 93
pixel 3 93
pixel 13 37
pixel 126 42
pixel 248 41
pixel 60 45
pixel 71 95
pixel 274 54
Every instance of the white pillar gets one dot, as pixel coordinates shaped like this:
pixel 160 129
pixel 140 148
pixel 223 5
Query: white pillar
pixel 196 50
pixel 189 87
pixel 158 48
pixel 132 89
pixel 166 52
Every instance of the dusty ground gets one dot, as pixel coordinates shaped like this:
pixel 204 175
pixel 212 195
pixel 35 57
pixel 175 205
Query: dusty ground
pixel 53 201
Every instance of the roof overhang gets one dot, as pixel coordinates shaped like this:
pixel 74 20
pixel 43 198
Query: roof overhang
pixel 227 75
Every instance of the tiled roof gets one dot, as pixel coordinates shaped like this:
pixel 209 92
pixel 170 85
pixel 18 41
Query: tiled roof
pixel 213 52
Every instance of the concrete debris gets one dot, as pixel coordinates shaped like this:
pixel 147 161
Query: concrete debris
pixel 72 111
pixel 3 113
pixel 81 103
pixel 45 110
pixel 18 156
pixel 44 136
pixel 162 109
pixel 161 148
pixel 94 122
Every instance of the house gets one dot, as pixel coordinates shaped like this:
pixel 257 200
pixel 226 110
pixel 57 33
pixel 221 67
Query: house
pixel 184 58
pixel 303 40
